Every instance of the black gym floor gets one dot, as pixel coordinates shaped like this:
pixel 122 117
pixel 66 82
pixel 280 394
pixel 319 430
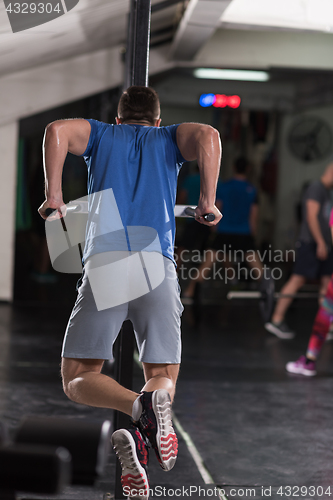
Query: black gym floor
pixel 256 429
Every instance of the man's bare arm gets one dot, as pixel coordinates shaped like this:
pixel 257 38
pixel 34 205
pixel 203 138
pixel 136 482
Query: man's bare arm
pixel 202 143
pixel 312 211
pixel 61 137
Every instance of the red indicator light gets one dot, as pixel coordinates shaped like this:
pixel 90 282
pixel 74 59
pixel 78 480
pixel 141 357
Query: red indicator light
pixel 234 101
pixel 221 101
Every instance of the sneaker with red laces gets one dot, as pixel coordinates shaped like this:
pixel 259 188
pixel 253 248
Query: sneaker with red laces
pixel 155 423
pixel 132 451
pixel 302 366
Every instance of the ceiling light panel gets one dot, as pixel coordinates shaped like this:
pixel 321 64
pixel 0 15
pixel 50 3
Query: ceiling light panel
pixel 231 74
pixel 294 14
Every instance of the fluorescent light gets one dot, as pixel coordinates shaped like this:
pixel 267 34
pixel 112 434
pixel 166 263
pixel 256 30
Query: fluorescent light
pixel 231 74
pixel 294 14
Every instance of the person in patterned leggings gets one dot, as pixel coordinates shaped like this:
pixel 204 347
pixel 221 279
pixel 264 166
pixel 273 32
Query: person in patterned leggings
pixel 306 365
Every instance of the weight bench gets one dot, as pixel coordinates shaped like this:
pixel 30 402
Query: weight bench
pixel 50 453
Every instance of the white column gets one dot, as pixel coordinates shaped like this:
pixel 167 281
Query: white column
pixel 8 172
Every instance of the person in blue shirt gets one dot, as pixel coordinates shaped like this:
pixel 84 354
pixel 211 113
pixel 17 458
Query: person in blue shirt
pixel 234 238
pixel 132 179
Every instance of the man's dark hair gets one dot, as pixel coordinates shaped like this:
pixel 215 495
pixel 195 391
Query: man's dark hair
pixel 241 165
pixel 139 103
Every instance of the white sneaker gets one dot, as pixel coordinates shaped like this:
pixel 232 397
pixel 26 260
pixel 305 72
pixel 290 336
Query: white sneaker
pixel 281 330
pixel 301 367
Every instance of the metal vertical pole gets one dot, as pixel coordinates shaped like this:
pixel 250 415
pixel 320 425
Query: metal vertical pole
pixel 137 61
pixel 137 52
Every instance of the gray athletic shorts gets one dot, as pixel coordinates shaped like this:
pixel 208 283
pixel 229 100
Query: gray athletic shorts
pixel 155 316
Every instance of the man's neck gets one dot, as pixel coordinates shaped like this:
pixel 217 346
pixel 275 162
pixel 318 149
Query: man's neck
pixel 132 122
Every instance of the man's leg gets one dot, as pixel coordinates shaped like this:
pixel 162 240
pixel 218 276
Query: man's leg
pixel 84 383
pixel 294 283
pixel 160 376
pixel 153 420
pixel 152 412
pixel 277 326
pixel 156 322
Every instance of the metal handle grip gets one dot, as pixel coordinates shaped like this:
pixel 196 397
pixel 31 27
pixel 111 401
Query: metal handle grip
pixel 49 211
pixel 80 207
pixel 83 207
pixel 191 212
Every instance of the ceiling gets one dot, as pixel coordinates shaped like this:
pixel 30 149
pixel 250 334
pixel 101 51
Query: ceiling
pixel 98 24
pixel 92 25
pixel 184 34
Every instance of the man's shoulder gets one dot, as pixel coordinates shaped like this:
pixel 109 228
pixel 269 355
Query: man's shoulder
pixel 98 123
pixel 169 128
pixel 99 128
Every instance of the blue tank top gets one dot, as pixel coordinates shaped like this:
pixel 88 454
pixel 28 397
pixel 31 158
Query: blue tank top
pixel 132 183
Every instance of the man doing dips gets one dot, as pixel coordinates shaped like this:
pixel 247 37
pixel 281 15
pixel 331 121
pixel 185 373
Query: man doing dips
pixel 139 161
